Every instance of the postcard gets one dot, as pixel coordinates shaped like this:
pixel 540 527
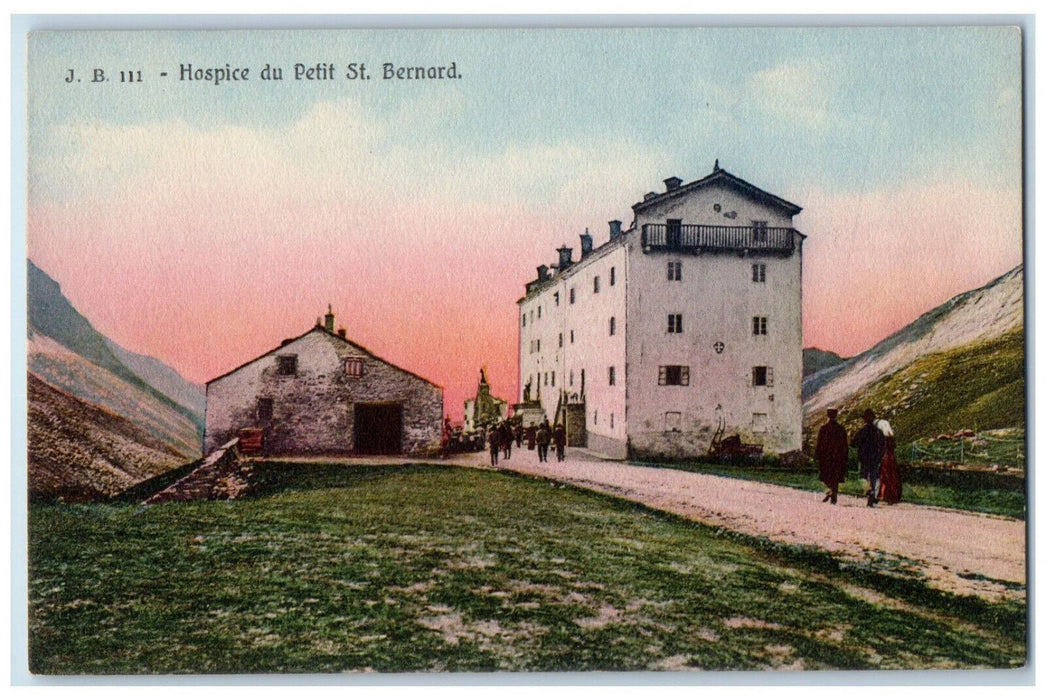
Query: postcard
pixel 662 350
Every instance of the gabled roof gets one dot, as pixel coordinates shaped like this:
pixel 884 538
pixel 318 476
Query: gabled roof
pixel 321 329
pixel 720 176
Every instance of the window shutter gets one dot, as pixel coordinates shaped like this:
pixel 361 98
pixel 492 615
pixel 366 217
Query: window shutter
pixel 662 375
pixel 769 376
pixel 684 375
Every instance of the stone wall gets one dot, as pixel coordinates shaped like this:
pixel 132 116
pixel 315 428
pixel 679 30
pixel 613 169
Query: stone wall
pixel 313 410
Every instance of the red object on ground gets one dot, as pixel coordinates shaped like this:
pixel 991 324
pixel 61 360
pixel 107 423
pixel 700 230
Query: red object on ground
pixel 251 440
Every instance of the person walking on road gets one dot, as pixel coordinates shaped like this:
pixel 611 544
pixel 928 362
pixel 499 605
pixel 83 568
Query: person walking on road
pixel 559 438
pixel 870 445
pixel 832 452
pixel 543 439
pixel 494 440
pixel 890 475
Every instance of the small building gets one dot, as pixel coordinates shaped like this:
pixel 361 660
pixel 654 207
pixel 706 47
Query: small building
pixel 682 328
pixel 320 393
pixel 484 408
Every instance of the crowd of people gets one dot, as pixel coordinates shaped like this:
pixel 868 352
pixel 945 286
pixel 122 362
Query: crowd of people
pixel 502 434
pixel 875 444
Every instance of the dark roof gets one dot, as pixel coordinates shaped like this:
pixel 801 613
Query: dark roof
pixel 596 253
pixel 323 330
pixel 720 176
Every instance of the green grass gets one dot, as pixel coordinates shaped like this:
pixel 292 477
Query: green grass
pixel 982 492
pixel 980 386
pixel 433 568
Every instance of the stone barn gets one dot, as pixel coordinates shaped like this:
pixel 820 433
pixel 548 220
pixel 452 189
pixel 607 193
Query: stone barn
pixel 320 393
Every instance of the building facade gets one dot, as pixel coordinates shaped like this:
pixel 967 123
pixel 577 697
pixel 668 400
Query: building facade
pixel 320 393
pixel 684 326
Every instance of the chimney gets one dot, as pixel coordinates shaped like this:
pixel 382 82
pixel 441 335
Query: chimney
pixel 648 196
pixel 615 229
pixel 672 183
pixel 586 243
pixel 564 256
pixel 328 320
pixel 341 333
pixel 542 273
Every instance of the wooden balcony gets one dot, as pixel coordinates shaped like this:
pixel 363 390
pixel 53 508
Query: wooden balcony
pixel 698 238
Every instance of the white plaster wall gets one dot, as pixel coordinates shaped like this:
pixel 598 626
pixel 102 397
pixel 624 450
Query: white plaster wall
pixel 717 299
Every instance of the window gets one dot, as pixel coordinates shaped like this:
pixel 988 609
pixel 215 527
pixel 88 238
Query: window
pixel 758 422
pixel 759 325
pixel 759 272
pixel 560 340
pixel 571 337
pixel 539 344
pixel 555 298
pixel 613 279
pixel 287 364
pixel 675 270
pixel 532 315
pixel 759 232
pixel 673 375
pixel 354 366
pixel 553 379
pixel 613 325
pixel 675 323
pixel 539 312
pixel 610 376
pixel 595 416
pixel 571 377
pixel 673 419
pixel 264 410
pixel 762 376
pixel 571 295
pixel 595 284
pixel 611 420
pixel 546 378
pixel 524 320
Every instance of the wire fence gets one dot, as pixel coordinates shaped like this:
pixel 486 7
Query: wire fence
pixel 1007 449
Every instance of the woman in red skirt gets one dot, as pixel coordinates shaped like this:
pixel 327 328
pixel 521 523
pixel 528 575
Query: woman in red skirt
pixel 890 477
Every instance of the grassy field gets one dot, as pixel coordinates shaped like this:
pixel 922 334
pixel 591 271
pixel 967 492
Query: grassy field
pixel 431 568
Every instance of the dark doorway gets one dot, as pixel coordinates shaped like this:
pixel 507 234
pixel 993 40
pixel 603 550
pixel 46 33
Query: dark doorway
pixel 378 428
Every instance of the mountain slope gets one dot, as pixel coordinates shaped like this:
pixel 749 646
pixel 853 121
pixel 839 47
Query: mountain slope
pixel 52 315
pixel 960 365
pixel 82 452
pixel 100 418
pixel 163 378
pixel 815 359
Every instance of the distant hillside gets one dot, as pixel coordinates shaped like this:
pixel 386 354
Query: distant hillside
pixel 113 416
pixel 81 452
pixel 815 359
pixel 51 315
pixel 958 366
pixel 163 378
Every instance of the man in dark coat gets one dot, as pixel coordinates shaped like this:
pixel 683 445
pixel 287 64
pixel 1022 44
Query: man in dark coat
pixel 870 445
pixel 832 455
pixel 544 437
pixel 559 438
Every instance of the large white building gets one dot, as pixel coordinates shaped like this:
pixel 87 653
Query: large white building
pixel 687 322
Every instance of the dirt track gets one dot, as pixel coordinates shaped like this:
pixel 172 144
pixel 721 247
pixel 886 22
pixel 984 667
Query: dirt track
pixel 956 550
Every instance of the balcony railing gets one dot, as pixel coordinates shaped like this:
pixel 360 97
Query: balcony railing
pixel 700 237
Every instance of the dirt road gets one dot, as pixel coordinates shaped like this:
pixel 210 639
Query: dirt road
pixel 956 550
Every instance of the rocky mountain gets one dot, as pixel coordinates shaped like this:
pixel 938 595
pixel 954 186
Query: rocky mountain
pixel 110 414
pixel 958 366
pixel 815 359
pixel 80 452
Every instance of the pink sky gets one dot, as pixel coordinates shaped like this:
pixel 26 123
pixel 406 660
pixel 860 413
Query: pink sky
pixel 437 295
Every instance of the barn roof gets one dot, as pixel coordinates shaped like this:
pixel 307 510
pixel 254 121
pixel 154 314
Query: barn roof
pixel 323 330
pixel 720 176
